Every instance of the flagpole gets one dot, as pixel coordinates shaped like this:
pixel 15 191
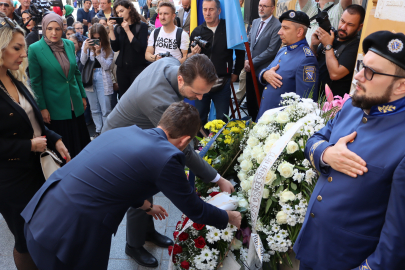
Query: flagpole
pixel 252 70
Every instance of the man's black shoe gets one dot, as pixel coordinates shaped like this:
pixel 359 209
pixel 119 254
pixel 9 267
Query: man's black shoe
pixel 141 256
pixel 159 240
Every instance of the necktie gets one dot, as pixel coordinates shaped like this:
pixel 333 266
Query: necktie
pixel 260 29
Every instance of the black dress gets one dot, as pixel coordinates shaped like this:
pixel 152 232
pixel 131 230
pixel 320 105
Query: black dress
pixel 20 169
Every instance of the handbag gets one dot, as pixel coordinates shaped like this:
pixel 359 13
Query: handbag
pixel 87 73
pixel 49 163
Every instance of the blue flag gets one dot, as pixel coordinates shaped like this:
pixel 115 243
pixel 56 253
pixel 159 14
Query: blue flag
pixel 235 26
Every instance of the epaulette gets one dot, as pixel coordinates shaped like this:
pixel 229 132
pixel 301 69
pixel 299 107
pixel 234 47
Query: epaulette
pixel 308 52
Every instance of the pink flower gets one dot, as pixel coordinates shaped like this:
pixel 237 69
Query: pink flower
pixel 328 93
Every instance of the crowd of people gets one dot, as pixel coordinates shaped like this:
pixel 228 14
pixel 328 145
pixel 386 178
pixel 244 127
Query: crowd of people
pixel 118 68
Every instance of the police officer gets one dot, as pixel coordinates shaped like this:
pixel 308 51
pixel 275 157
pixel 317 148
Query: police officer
pixel 356 216
pixel 295 68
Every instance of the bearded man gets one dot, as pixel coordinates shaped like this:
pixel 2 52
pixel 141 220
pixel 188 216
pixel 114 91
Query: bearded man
pixel 356 214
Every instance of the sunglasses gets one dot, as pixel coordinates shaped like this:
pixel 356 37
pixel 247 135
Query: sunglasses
pixel 4 4
pixel 369 72
pixel 8 22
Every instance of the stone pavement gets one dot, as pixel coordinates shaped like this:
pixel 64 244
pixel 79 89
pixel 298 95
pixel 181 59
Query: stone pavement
pixel 118 259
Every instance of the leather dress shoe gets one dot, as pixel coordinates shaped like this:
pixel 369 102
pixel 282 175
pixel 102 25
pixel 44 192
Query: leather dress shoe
pixel 141 256
pixel 159 240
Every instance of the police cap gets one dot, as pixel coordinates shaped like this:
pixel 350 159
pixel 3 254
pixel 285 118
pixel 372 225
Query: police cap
pixel 388 45
pixel 295 16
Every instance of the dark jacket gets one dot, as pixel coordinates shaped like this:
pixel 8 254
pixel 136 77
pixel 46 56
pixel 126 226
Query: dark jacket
pixel 218 52
pixel 138 46
pixel 32 37
pixel 70 20
pixel 16 133
pixel 18 19
pixel 101 14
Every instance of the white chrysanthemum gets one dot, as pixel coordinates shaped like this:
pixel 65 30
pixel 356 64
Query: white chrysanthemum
pixel 309 175
pixel 233 228
pixel 298 176
pixel 206 253
pixel 214 235
pixel 227 235
pixel 262 131
pixel 306 163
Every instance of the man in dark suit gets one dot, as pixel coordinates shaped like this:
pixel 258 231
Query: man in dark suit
pixel 70 220
pixel 264 44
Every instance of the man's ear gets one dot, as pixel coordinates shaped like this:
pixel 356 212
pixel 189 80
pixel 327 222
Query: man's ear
pixel 184 140
pixel 399 87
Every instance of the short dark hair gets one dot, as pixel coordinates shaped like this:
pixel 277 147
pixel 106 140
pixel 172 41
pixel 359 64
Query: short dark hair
pixel 356 9
pixel 86 1
pixel 216 2
pixel 133 13
pixel 181 119
pixel 70 28
pixel 95 20
pixel 399 71
pixel 168 4
pixel 198 65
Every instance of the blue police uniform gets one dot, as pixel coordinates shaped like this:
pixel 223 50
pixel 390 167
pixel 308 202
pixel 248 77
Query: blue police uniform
pixel 299 70
pixel 358 222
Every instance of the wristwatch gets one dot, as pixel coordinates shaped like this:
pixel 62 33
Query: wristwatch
pixel 151 207
pixel 328 47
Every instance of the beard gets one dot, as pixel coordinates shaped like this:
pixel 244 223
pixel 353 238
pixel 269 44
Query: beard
pixel 345 35
pixel 183 93
pixel 366 103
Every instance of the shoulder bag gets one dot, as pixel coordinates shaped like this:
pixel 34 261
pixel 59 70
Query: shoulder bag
pixel 49 163
pixel 87 73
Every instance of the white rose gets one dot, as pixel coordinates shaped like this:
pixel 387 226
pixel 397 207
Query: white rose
pixel 288 126
pixel 260 157
pixel 246 165
pixel 262 131
pixel 281 217
pixel 285 169
pixel 269 144
pixel 236 244
pixel 243 203
pixel 282 117
pixel 242 175
pixel 246 185
pixel 252 142
pixel 292 147
pixel 240 158
pixel 247 153
pixel 256 151
pixel 266 193
pixel 274 136
pixel 286 196
pixel 270 177
pixel 250 179
pixel 265 119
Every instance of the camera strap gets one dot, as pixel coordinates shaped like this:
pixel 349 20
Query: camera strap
pixel 343 46
pixel 319 11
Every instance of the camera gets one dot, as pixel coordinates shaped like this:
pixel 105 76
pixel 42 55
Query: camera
pixel 323 20
pixel 166 54
pixel 200 42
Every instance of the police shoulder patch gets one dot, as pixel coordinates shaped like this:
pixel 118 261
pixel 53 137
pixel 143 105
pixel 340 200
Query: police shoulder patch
pixel 308 52
pixel 309 74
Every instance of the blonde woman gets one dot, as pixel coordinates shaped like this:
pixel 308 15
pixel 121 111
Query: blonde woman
pixel 23 136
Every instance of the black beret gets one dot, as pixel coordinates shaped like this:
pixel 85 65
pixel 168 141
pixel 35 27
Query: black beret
pixel 388 45
pixel 295 16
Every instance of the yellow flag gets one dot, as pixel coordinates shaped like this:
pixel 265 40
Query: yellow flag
pixel 193 15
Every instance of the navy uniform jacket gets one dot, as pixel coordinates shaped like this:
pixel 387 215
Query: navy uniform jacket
pixel 82 204
pixel 299 70
pixel 358 221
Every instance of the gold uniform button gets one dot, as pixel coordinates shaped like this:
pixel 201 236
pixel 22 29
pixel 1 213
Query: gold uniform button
pixel 265 88
pixel 285 53
pixel 262 97
pixel 279 61
pixel 11 114
pixel 312 215
pixel 364 120
pixel 330 179
pixel 319 198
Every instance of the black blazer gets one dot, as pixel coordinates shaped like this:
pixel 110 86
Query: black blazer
pixel 16 131
pixel 136 57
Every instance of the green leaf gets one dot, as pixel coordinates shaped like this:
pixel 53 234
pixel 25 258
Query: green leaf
pixel 273 199
pixel 280 188
pixel 294 186
pixel 198 138
pixel 277 182
pixel 268 205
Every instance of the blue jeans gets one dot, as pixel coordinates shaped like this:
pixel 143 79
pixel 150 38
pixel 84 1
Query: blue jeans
pixel 221 102
pixel 101 105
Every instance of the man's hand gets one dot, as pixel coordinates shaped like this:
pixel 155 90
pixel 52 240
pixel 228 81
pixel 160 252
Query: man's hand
pixel 272 77
pixel 343 160
pixel 157 57
pixel 158 212
pixel 234 78
pixel 234 218
pixel 315 40
pixel 225 185
pixel 247 66
pixel 324 37
pixel 195 50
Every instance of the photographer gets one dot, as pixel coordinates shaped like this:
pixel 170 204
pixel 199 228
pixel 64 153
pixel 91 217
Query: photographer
pixel 168 38
pixel 213 30
pixel 336 51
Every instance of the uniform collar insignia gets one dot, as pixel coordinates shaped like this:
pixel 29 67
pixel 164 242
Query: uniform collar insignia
pixel 388 108
pixel 297 44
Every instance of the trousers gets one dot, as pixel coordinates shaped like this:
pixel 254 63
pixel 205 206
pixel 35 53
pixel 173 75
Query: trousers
pixel 139 225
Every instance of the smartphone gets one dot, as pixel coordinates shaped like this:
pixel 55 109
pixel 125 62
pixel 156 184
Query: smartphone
pixel 118 20
pixel 93 42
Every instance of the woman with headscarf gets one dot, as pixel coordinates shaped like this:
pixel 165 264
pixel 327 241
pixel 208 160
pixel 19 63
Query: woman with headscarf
pixel 67 11
pixel 57 83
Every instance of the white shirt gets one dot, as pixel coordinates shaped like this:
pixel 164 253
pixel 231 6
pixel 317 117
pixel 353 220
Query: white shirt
pixel 166 42
pixel 264 25
pixel 185 16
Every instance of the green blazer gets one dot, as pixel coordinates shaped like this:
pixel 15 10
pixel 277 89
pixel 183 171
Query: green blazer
pixel 53 90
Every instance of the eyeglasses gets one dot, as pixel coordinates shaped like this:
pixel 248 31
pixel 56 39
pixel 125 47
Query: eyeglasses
pixel 264 6
pixel 7 21
pixel 369 72
pixel 4 4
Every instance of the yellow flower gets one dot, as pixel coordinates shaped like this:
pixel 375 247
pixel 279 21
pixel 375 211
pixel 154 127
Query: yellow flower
pixel 228 139
pixel 235 130
pixel 208 125
pixel 209 160
pixel 226 132
pixel 231 124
